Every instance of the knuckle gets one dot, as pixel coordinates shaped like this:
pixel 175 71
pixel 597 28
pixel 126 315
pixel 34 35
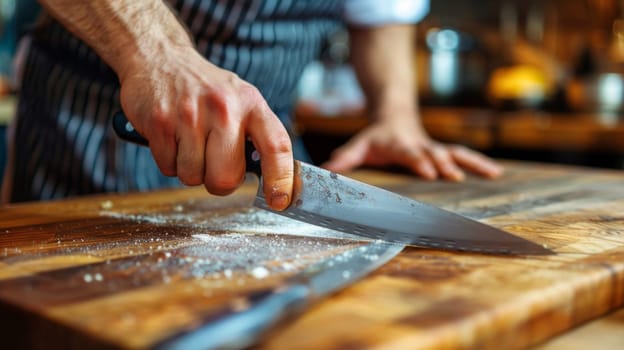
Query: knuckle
pixel 232 78
pixel 442 153
pixel 253 99
pixel 221 107
pixel 159 117
pixel 160 123
pixel 417 154
pixel 190 178
pixel 187 112
pixel 280 144
pixel 222 185
pixel 458 148
pixel 251 93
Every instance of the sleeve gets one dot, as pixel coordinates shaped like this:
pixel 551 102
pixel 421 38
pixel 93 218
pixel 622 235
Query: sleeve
pixel 380 12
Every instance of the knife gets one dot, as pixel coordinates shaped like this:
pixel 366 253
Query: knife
pixel 334 201
pixel 236 329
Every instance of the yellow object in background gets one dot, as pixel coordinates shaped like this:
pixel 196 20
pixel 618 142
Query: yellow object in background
pixel 524 83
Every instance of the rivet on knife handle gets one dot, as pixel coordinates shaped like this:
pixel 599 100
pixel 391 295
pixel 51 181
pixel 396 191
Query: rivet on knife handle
pixel 126 131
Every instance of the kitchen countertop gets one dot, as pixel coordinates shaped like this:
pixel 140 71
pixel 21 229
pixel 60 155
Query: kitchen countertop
pixel 131 270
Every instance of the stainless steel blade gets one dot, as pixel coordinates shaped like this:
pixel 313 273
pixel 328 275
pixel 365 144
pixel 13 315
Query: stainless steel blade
pixel 337 202
pixel 238 329
pixel 343 269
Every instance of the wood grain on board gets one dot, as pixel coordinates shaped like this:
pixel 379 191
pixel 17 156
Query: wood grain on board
pixel 132 270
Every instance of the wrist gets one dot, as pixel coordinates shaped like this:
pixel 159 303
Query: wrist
pixel 148 55
pixel 389 109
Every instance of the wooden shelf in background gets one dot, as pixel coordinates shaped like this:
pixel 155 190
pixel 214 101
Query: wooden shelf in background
pixel 483 128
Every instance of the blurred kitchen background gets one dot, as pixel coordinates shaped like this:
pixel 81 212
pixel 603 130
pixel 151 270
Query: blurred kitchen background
pixel 530 80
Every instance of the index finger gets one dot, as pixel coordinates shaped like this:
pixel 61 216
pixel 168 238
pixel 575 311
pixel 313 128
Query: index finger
pixel 273 143
pixel 476 162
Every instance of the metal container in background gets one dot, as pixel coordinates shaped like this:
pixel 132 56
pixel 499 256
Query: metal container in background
pixel 455 67
pixel 601 93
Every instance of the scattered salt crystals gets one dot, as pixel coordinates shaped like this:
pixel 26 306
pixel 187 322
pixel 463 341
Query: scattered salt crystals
pixel 106 205
pixel 98 277
pixel 87 278
pixel 224 243
pixel 252 220
pixel 346 274
pixel 153 218
pixel 260 272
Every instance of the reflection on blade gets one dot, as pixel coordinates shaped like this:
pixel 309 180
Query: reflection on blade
pixel 339 203
pixel 332 274
pixel 237 329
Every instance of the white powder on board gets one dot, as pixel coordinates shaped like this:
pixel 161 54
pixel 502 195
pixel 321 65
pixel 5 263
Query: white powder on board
pixel 260 272
pixel 221 243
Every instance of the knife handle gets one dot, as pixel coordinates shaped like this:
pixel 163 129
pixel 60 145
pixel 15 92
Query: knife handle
pixel 125 130
pixel 240 329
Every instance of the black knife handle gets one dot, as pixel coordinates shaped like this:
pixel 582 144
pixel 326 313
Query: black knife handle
pixel 126 131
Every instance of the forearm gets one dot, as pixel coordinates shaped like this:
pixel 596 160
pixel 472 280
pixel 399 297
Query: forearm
pixel 124 33
pixel 195 115
pixel 383 58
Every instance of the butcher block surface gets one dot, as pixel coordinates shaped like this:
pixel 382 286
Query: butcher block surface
pixel 130 271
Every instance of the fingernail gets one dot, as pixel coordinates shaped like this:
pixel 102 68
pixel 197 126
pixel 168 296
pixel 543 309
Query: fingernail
pixel 279 201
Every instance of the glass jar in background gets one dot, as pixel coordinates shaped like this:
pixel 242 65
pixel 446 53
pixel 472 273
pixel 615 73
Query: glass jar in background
pixel 329 85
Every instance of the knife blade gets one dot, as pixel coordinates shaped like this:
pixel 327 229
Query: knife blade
pixel 334 201
pixel 237 329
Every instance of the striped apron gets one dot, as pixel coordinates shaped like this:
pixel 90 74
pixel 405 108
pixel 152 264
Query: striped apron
pixel 63 142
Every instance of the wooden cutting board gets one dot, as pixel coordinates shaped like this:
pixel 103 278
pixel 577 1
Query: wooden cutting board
pixel 132 270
